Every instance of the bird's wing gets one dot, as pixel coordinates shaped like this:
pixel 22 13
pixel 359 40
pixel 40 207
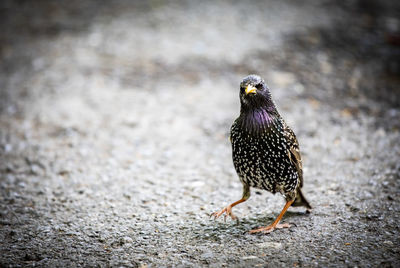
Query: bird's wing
pixel 232 129
pixel 294 152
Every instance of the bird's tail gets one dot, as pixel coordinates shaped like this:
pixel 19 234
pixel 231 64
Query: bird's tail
pixel 301 200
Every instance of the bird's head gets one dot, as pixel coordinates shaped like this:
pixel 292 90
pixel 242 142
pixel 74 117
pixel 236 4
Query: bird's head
pixel 254 93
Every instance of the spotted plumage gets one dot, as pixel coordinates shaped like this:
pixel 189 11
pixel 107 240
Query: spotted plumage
pixel 265 150
pixel 261 157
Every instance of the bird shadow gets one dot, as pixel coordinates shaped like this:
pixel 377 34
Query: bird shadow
pixel 218 230
pixel 270 218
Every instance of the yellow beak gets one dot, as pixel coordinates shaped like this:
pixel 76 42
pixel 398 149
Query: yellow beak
pixel 251 89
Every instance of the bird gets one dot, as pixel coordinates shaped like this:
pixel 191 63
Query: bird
pixel 265 151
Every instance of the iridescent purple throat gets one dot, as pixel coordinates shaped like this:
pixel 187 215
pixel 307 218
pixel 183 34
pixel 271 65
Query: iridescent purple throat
pixel 258 120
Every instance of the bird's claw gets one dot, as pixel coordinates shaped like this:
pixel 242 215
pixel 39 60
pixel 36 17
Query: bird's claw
pixel 228 212
pixel 270 228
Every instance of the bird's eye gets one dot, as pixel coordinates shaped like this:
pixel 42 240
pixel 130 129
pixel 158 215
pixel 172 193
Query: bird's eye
pixel 259 86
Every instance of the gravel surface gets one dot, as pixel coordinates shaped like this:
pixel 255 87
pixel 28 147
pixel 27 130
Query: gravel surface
pixel 114 120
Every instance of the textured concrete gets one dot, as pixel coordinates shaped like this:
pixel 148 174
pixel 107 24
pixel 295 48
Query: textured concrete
pixel 114 132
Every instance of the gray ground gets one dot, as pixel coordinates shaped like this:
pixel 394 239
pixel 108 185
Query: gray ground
pixel 114 132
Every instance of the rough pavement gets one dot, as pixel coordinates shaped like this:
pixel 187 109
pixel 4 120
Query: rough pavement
pixel 114 132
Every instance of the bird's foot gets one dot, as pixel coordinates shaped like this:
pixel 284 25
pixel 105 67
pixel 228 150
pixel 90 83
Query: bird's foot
pixel 228 212
pixel 270 228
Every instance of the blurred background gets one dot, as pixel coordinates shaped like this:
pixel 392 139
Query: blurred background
pixel 114 124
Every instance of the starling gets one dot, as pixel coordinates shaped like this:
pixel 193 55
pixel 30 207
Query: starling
pixel 265 151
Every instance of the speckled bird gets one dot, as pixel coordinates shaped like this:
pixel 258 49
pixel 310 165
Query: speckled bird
pixel 265 151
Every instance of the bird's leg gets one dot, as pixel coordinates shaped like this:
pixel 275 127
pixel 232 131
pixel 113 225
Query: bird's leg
pixel 276 224
pixel 228 209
